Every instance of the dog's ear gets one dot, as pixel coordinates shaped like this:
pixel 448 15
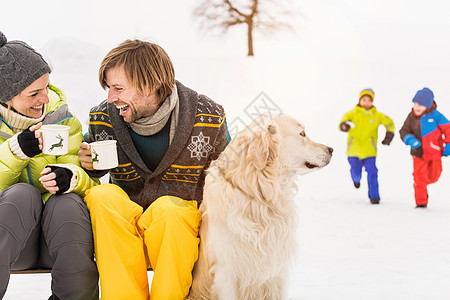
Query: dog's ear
pixel 264 147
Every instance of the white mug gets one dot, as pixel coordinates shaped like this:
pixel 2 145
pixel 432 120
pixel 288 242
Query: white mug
pixel 104 154
pixel 55 139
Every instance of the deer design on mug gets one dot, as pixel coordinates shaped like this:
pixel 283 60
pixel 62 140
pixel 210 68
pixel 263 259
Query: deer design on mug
pixel 94 156
pixel 57 145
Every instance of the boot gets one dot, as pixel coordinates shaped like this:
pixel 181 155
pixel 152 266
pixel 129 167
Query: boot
pixel 375 201
pixel 421 206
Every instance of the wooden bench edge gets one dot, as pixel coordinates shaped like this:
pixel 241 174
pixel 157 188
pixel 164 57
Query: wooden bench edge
pixel 41 271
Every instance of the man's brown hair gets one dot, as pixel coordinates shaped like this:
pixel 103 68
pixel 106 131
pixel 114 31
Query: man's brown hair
pixel 146 65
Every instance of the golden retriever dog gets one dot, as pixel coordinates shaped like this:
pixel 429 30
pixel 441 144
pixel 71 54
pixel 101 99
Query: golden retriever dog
pixel 247 235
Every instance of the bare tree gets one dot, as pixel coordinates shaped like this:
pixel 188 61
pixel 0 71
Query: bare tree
pixel 266 16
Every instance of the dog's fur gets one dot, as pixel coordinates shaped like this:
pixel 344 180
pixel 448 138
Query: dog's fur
pixel 249 215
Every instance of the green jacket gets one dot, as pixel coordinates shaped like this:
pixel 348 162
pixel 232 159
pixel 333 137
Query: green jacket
pixel 362 139
pixel 14 169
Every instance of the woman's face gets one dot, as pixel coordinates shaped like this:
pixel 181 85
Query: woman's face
pixel 30 102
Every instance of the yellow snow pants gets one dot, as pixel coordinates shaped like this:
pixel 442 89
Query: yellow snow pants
pixel 128 240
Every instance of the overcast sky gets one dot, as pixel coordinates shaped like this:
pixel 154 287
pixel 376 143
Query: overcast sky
pixel 389 30
pixel 336 47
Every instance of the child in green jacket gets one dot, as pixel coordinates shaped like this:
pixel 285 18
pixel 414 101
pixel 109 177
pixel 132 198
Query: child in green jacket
pixel 362 123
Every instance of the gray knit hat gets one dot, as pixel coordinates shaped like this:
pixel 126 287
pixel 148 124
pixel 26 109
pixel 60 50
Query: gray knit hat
pixel 20 66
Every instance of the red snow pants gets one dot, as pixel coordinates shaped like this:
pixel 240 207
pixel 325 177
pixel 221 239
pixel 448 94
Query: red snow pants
pixel 425 172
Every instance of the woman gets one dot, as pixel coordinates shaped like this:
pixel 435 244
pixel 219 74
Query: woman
pixel 43 221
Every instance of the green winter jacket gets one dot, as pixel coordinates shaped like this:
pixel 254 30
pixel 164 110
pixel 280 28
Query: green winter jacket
pixel 362 139
pixel 14 169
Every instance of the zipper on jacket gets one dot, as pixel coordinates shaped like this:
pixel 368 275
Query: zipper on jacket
pixel 30 178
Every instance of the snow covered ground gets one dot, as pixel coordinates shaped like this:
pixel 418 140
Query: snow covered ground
pixel 348 249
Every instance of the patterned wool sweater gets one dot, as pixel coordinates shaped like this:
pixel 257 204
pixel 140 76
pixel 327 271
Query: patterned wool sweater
pixel 200 136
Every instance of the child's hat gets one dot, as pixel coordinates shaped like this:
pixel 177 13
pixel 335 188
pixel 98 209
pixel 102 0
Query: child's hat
pixel 20 66
pixel 368 92
pixel 424 97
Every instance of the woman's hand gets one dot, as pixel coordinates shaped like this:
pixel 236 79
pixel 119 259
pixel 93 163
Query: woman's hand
pixel 56 180
pixel 30 141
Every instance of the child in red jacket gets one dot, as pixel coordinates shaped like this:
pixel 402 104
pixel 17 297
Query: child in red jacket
pixel 427 132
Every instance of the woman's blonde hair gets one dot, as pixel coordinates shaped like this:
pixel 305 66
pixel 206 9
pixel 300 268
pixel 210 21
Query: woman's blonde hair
pixel 9 107
pixel 147 67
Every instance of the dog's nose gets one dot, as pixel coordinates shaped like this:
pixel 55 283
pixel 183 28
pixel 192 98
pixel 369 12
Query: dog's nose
pixel 330 150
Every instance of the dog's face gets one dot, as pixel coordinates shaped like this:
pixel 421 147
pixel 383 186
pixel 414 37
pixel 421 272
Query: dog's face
pixel 297 151
pixel 278 143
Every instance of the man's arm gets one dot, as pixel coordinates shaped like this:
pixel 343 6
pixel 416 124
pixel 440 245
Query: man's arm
pixel 84 154
pixel 222 140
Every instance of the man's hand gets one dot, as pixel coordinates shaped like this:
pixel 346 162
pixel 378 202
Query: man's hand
pixel 85 156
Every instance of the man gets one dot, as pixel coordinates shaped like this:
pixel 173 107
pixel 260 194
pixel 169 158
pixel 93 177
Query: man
pixel 167 135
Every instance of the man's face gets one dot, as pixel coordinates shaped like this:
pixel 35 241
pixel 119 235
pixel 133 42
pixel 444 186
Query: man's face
pixel 366 102
pixel 132 104
pixel 419 109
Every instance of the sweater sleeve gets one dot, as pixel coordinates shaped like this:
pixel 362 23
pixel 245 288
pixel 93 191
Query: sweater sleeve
pixel 89 137
pixel 222 140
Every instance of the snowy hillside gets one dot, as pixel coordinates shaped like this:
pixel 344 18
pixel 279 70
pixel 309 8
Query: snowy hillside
pixel 348 248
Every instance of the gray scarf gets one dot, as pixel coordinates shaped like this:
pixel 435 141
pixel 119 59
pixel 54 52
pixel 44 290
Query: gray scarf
pixel 153 124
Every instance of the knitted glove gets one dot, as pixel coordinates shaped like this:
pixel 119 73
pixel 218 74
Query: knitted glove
pixel 446 150
pixel 63 178
pixel 411 140
pixel 345 126
pixel 28 143
pixel 388 138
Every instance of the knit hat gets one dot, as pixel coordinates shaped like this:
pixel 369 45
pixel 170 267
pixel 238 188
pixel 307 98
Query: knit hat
pixel 20 66
pixel 424 97
pixel 368 92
